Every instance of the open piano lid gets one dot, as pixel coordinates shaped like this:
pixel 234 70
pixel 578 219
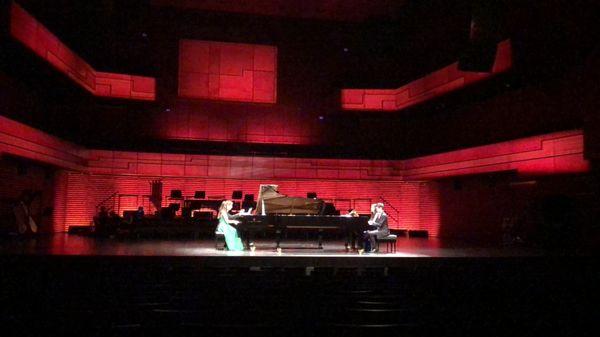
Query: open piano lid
pixel 270 201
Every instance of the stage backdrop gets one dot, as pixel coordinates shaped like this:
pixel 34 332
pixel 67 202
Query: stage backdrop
pixel 87 177
pixel 411 205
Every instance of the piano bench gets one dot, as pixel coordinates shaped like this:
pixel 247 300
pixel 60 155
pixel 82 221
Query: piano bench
pixel 219 237
pixel 390 243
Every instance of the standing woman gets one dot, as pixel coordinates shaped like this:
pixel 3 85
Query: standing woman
pixel 234 243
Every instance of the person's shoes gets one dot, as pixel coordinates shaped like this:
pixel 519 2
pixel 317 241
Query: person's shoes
pixel 374 250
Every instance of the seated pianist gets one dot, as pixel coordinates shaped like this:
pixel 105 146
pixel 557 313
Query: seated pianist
pixel 241 233
pixel 379 222
pixel 226 226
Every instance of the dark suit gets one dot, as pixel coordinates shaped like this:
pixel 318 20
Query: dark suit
pixel 381 223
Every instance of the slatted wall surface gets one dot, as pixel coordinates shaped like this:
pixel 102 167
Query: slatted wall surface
pixel 59 214
pixel 438 83
pixel 429 208
pixel 86 191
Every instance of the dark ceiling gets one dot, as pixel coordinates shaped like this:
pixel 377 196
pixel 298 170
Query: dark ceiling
pixel 329 10
pixel 369 38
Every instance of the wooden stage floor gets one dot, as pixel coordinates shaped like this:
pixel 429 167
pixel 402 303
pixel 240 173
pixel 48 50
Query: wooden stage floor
pixel 294 253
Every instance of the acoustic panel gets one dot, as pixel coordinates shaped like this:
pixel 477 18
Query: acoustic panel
pixel 407 208
pixel 31 33
pixel 227 71
pixel 550 154
pixel 20 140
pixel 436 84
pixel 262 125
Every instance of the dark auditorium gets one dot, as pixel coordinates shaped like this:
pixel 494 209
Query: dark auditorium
pixel 299 167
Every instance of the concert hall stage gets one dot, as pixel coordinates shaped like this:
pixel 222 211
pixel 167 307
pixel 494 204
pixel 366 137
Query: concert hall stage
pixel 294 253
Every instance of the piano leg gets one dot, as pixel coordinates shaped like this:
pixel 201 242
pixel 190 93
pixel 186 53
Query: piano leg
pixel 348 236
pixel 278 234
pixel 247 239
pixel 320 239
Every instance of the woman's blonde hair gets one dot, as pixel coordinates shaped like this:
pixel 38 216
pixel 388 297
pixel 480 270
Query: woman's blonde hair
pixel 223 207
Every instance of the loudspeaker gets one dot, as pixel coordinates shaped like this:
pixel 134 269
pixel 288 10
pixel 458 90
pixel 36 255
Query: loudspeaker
pixel 236 195
pixel 311 195
pixel 199 195
pixel 249 197
pixel 176 194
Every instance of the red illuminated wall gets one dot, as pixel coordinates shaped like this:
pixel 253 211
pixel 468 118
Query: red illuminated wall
pixel 26 29
pixel 20 140
pixel 125 86
pixel 433 85
pixel 253 124
pixel 417 209
pixel 182 165
pixel 89 176
pixel 346 183
pixel 555 153
pixel 227 71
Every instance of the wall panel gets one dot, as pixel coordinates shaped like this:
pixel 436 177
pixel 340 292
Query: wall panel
pixel 438 83
pixel 403 199
pixel 31 33
pixel 227 71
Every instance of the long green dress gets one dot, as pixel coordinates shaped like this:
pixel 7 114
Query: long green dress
pixel 232 238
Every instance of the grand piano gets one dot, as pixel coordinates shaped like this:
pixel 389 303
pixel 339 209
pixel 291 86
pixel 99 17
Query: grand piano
pixel 279 213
